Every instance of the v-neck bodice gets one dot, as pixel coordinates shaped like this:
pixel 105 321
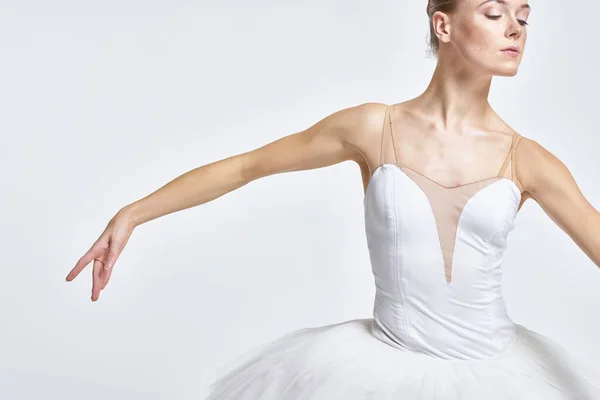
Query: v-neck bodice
pixel 436 254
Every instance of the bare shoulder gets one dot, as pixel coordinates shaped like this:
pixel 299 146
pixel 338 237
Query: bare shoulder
pixel 363 124
pixel 343 135
pixel 355 127
pixel 539 170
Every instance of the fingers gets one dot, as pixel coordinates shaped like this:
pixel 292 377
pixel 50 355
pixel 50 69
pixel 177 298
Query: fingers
pixel 108 268
pixel 104 254
pixel 93 252
pixel 102 270
pixel 96 279
pixel 106 277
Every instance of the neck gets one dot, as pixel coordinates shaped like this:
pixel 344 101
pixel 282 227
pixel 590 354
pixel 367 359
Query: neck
pixel 456 95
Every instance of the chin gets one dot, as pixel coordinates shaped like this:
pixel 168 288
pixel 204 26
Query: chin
pixel 509 71
pixel 501 68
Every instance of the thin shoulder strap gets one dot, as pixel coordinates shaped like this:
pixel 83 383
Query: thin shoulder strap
pixel 513 162
pixel 393 138
pixel 387 119
pixel 387 109
pixel 509 155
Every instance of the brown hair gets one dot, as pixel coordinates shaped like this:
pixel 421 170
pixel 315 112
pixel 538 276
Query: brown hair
pixel 445 6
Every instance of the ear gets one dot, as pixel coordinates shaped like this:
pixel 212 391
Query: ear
pixel 441 26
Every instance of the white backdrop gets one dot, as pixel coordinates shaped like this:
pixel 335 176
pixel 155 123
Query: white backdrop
pixel 104 102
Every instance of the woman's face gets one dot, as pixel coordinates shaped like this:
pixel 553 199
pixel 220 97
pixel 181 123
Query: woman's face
pixel 481 30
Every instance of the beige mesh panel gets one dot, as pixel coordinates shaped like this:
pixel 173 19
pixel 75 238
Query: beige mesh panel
pixel 447 202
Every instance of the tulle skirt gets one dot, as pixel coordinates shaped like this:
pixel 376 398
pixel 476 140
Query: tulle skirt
pixel 345 361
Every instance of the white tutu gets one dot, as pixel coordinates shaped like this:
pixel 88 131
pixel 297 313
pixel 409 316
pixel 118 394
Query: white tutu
pixel 345 361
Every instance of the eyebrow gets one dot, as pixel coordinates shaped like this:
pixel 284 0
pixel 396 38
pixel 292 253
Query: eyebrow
pixel 505 3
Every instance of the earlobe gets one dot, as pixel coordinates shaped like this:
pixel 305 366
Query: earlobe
pixel 445 38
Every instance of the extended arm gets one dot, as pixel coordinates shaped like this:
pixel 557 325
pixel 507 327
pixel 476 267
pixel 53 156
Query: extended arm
pixel 548 181
pixel 327 142
pixel 334 139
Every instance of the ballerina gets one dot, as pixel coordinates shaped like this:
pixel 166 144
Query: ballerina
pixel 436 224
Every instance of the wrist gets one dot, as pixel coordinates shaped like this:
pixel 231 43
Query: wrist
pixel 129 214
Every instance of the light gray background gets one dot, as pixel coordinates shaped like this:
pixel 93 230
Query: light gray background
pixel 104 102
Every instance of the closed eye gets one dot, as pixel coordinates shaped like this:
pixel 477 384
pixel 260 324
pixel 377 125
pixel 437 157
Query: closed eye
pixel 496 17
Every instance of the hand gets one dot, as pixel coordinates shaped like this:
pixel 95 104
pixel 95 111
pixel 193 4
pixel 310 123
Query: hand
pixel 105 252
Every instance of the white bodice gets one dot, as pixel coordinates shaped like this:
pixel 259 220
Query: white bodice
pixel 436 254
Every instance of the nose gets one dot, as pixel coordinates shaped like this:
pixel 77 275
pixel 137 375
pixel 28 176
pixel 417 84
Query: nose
pixel 514 29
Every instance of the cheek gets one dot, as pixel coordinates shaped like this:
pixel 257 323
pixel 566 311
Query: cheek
pixel 477 39
pixel 476 34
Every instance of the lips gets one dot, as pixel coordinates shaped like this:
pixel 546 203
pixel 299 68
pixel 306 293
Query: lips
pixel 512 49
